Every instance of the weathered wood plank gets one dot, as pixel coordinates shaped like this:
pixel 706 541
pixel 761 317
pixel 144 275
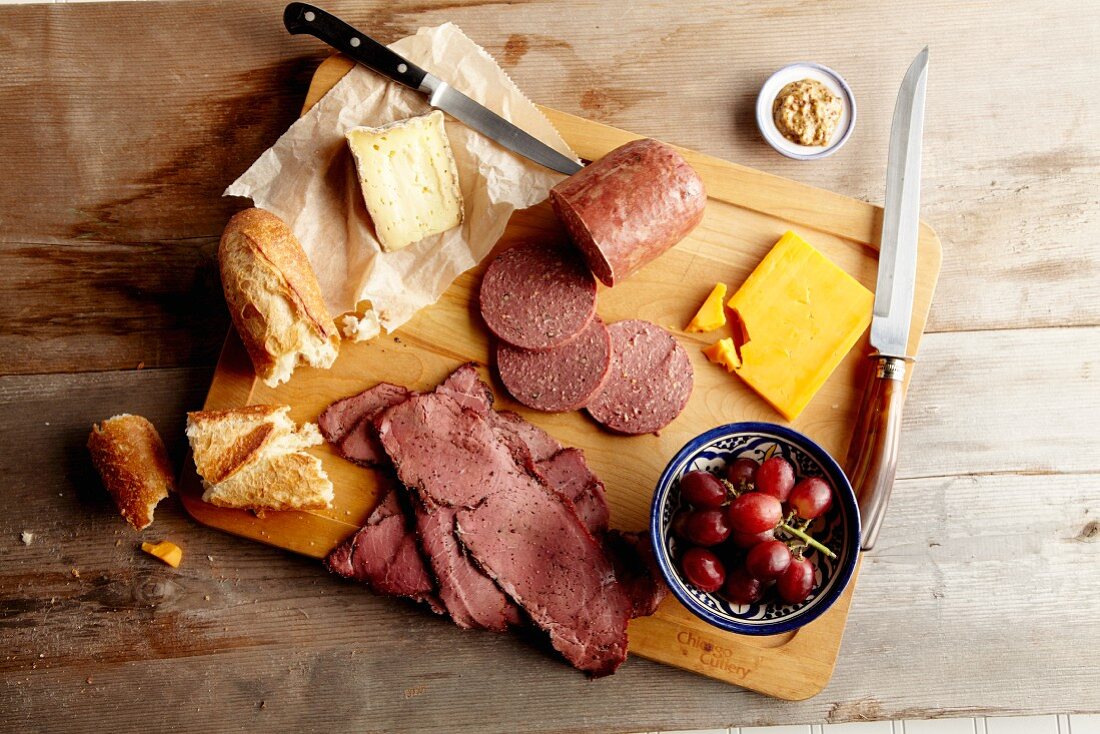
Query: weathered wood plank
pixel 135 146
pixel 154 303
pixel 1004 401
pixel 254 638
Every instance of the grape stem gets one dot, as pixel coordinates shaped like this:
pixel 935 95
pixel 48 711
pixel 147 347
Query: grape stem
pixel 786 524
pixel 805 537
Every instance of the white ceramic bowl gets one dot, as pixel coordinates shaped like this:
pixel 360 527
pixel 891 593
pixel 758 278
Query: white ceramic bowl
pixel 793 73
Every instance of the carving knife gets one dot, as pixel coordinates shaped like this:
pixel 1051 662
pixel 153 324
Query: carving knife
pixel 302 18
pixel 873 454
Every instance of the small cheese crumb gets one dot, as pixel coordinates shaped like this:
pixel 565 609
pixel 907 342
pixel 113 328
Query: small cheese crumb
pixel 27 537
pixel 166 551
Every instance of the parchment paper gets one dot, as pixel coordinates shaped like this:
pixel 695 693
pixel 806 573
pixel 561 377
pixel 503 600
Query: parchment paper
pixel 308 179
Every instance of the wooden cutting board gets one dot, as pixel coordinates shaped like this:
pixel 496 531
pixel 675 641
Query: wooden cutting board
pixel 747 212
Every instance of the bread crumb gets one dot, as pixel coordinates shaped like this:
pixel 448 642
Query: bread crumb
pixel 41 655
pixel 76 572
pixel 88 680
pixel 141 365
pixel 27 537
pixel 207 597
pixel 210 558
pixel 118 542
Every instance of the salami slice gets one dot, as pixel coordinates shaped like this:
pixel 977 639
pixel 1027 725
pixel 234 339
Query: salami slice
pixel 538 296
pixel 558 379
pixel 650 380
pixel 629 207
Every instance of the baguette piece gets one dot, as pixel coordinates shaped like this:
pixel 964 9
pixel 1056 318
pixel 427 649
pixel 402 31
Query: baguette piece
pixel 274 298
pixel 129 455
pixel 254 458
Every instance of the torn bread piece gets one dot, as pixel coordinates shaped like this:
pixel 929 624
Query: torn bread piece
pixel 274 297
pixel 254 458
pixel 409 179
pixel 129 455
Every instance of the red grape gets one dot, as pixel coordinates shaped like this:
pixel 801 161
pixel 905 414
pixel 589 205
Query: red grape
pixel 679 523
pixel 742 588
pixel 747 540
pixel 796 583
pixel 775 477
pixel 702 489
pixel 706 527
pixel 754 512
pixel 703 569
pixel 766 561
pixel 811 498
pixel 741 472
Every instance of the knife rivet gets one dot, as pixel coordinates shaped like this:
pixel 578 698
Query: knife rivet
pixel 355 43
pixel 310 16
pixel 401 68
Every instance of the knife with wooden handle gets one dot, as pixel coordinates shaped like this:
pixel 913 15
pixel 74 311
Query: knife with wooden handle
pixel 873 453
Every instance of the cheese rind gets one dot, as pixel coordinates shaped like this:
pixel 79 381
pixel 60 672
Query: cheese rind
pixel 409 179
pixel 804 314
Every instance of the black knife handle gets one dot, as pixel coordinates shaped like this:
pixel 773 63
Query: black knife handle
pixel 302 18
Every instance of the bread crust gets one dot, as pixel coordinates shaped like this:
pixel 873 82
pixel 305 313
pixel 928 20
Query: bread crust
pixel 271 290
pixel 130 457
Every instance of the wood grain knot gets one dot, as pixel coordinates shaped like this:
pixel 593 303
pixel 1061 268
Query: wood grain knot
pixel 1090 533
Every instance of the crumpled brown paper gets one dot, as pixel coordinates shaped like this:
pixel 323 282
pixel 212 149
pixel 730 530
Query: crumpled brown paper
pixel 308 179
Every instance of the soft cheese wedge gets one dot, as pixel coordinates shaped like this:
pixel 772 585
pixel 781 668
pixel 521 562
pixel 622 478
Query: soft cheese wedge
pixel 798 314
pixel 409 179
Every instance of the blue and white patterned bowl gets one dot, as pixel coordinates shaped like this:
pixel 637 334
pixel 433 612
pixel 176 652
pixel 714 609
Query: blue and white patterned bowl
pixel 839 529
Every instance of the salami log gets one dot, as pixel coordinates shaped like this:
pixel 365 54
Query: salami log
pixel 538 295
pixel 629 207
pixel 650 380
pixel 558 379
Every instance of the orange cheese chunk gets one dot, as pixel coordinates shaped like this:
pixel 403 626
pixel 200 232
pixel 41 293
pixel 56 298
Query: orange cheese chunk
pixel 712 314
pixel 724 353
pixel 804 315
pixel 166 551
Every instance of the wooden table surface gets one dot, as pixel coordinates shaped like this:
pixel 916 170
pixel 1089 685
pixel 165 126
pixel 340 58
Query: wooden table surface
pixel 120 124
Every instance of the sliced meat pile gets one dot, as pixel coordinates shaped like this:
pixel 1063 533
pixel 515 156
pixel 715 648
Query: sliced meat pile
pixel 347 423
pixel 497 524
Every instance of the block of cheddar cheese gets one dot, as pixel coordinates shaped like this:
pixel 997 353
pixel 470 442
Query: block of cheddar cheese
pixel 801 315
pixel 409 179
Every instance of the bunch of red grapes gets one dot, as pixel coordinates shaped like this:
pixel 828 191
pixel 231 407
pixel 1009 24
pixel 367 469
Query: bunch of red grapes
pixel 732 528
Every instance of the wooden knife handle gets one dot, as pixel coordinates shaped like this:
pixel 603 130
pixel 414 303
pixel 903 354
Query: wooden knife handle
pixel 873 454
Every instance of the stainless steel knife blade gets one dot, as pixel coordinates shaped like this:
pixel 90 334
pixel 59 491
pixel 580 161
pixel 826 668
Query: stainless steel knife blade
pixel 897 265
pixel 456 104
pixel 303 18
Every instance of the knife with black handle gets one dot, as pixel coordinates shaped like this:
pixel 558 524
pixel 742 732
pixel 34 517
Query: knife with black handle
pixel 303 18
